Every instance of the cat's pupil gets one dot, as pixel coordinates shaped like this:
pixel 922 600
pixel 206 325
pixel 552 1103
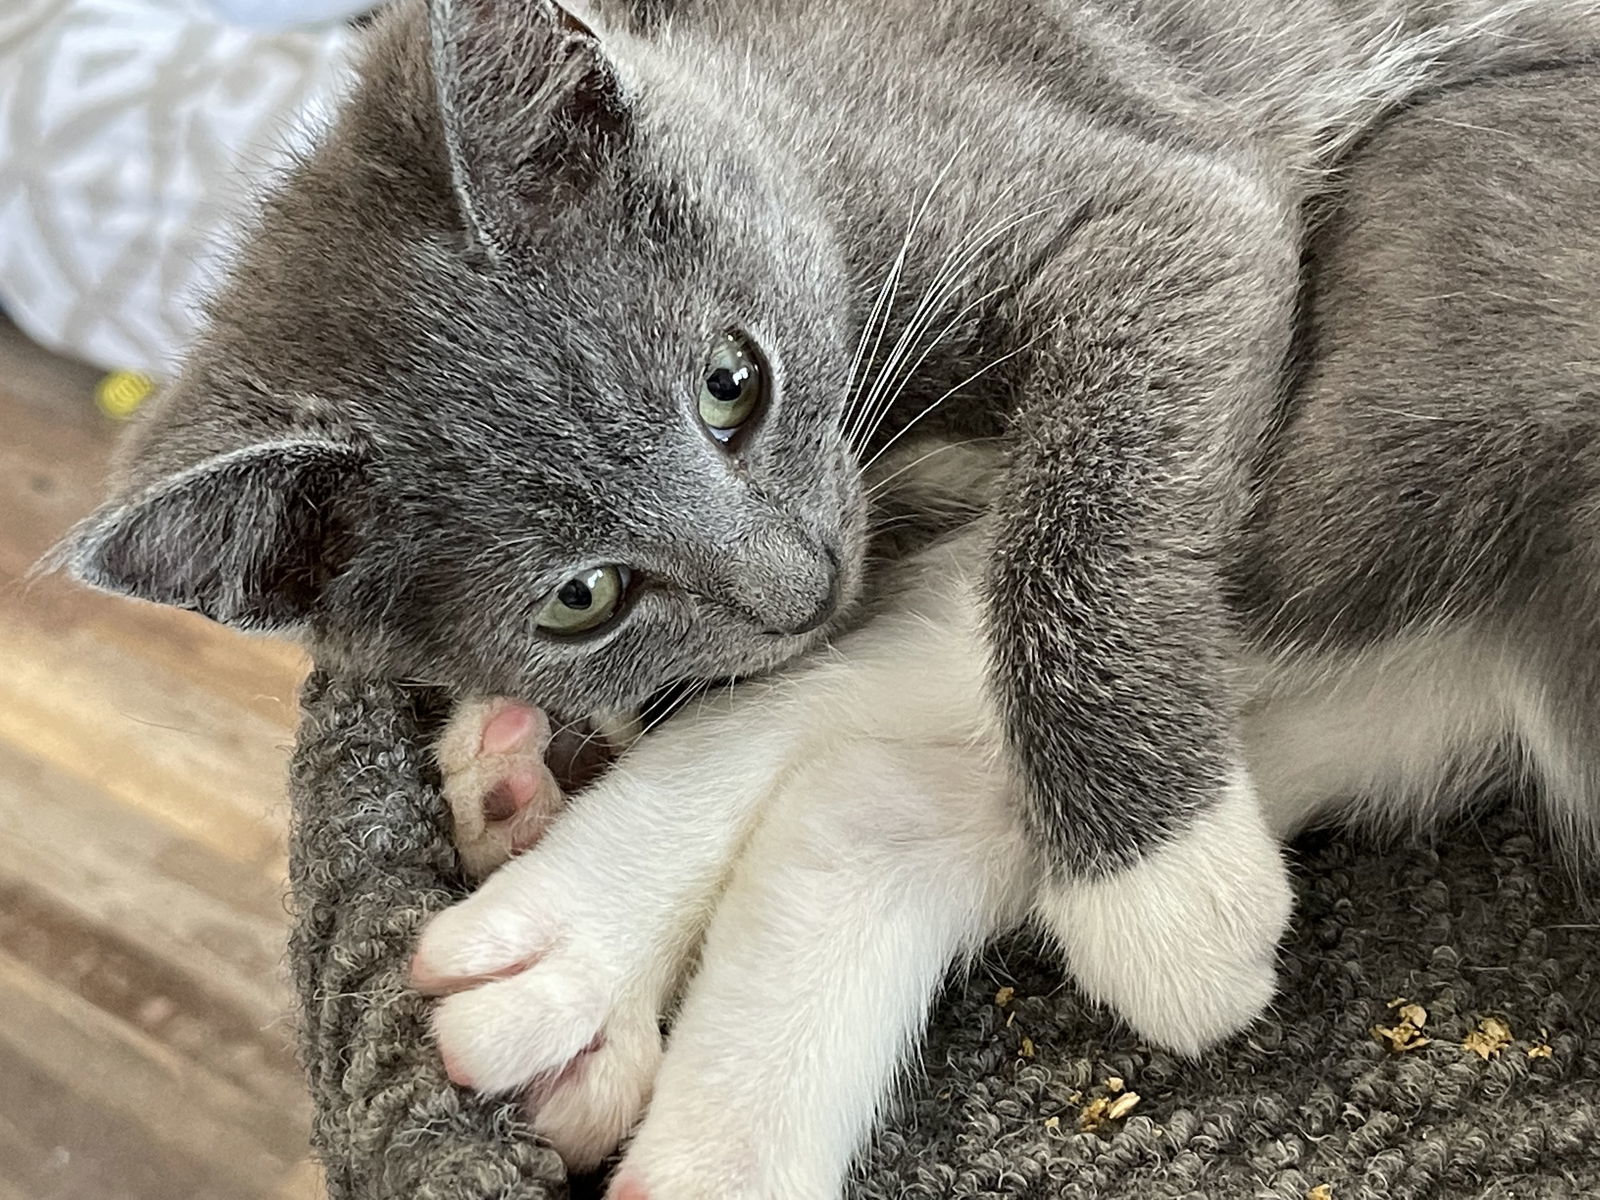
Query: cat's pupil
pixel 575 593
pixel 723 385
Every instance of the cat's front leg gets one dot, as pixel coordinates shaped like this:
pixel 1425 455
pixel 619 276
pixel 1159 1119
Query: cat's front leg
pixel 892 850
pixel 556 971
pixel 1158 339
pixel 1182 943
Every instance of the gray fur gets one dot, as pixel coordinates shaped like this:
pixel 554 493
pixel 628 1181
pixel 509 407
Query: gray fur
pixel 497 278
pixel 1481 203
pixel 1458 481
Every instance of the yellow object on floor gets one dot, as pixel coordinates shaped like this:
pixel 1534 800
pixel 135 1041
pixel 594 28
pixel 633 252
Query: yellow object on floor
pixel 120 393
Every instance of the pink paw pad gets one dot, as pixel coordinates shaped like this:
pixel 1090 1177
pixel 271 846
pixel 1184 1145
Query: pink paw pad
pixel 501 793
pixel 518 729
pixel 509 728
pixel 455 1072
pixel 511 795
pixel 628 1188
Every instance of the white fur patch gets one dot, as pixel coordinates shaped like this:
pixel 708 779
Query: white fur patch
pixel 891 851
pixel 1183 945
pixel 1400 735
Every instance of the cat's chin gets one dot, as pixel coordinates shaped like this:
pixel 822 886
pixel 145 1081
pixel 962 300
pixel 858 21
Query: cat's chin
pixel 583 749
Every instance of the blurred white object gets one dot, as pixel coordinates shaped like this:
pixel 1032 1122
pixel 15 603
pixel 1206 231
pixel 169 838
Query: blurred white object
pixel 133 134
pixel 287 14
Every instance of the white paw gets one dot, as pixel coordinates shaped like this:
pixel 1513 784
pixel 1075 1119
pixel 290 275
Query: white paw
pixel 586 1115
pixel 1183 945
pixel 501 794
pixel 533 1007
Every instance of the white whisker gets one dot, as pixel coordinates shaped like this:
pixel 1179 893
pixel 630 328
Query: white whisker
pixel 892 284
pixel 954 259
pixel 891 280
pixel 946 282
pixel 863 406
pixel 887 406
pixel 877 487
pixel 983 370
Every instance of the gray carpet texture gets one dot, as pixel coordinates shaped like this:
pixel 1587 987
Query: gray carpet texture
pixel 1483 930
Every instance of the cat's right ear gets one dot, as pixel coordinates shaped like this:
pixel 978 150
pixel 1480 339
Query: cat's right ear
pixel 531 101
pixel 247 538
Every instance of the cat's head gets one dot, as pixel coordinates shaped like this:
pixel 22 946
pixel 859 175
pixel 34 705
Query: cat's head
pixel 529 379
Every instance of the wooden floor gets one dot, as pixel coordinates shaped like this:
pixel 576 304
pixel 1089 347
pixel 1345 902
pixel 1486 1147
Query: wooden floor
pixel 144 1033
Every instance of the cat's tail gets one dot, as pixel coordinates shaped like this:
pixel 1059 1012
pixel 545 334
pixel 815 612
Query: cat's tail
pixel 1322 73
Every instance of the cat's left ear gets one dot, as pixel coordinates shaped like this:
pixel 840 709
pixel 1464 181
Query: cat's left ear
pixel 247 538
pixel 533 100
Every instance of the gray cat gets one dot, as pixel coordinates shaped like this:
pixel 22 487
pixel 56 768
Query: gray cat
pixel 830 841
pixel 565 368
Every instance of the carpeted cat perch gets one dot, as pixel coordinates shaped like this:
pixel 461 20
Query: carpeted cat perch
pixel 1486 927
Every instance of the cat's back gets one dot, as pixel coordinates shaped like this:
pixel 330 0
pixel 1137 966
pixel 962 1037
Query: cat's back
pixel 1442 449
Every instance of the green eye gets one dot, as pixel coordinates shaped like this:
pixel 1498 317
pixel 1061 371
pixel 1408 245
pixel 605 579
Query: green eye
pixel 586 601
pixel 733 388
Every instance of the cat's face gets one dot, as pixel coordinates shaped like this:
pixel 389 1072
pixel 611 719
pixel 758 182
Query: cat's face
pixel 527 386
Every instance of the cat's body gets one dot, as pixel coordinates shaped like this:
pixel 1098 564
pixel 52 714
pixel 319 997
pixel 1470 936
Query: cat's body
pixel 842 834
pixel 465 365
pixel 1418 577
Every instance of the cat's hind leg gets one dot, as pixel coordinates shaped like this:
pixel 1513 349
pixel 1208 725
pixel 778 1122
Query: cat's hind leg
pixel 1399 735
pixel 1392 736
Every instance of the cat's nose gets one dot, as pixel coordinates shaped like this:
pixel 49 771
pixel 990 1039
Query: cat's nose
pixel 818 618
pixel 808 605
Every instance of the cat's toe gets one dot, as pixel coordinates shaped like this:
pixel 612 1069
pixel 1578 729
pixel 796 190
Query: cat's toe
pixel 501 930
pixel 1182 945
pixel 501 794
pixel 516 1033
pixel 587 1111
